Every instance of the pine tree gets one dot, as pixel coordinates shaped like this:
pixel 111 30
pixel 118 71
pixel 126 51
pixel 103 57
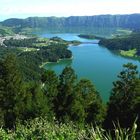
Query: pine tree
pixel 63 101
pixel 10 90
pixel 121 104
pixel 136 103
pixel 87 104
pixel 49 85
pixel 35 102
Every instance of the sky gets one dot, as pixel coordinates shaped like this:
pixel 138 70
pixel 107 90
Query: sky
pixel 65 8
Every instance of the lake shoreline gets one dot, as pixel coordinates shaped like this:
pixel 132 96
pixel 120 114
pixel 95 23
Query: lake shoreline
pixel 92 61
pixel 117 52
pixel 45 63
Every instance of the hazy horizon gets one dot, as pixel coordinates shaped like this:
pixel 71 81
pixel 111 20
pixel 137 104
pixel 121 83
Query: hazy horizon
pixel 63 16
pixel 66 8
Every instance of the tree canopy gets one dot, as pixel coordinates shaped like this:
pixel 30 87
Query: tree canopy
pixel 126 91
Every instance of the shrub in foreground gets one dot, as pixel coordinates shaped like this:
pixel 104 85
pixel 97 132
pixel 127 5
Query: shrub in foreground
pixel 40 129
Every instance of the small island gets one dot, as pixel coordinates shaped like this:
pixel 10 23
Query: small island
pixel 60 40
pixel 88 36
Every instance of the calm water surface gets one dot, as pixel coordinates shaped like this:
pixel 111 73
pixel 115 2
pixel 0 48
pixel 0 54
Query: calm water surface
pixel 93 62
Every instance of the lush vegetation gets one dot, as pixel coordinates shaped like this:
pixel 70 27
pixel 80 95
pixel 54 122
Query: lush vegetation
pixel 20 42
pixel 33 52
pixel 125 43
pixel 41 129
pixel 39 104
pixel 130 53
pixel 61 97
pixel 5 31
pixel 123 104
pixel 57 39
pixel 69 108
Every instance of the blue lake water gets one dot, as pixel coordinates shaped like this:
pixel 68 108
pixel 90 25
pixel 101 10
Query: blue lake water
pixel 91 61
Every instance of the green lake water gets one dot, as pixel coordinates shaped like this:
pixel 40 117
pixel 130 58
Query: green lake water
pixel 91 61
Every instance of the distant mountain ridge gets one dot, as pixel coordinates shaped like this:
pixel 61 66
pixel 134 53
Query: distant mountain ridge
pixel 131 21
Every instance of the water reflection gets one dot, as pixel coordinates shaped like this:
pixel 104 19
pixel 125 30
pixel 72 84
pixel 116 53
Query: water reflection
pixel 103 32
pixel 58 66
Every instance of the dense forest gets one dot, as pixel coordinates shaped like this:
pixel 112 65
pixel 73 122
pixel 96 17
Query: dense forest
pixel 39 104
pixel 31 95
pixel 20 42
pixel 64 102
pixel 124 43
pixel 123 21
pixel 33 52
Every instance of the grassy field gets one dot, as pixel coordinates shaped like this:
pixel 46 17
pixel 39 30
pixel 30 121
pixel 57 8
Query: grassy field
pixel 129 53
pixel 5 31
pixel 121 33
pixel 25 49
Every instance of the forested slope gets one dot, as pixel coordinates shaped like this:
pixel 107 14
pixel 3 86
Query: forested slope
pixel 125 43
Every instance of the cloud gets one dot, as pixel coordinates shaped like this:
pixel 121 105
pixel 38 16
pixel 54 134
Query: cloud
pixel 67 7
